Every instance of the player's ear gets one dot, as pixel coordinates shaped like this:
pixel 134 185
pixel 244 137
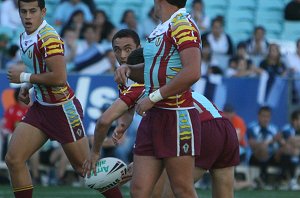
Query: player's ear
pixel 44 10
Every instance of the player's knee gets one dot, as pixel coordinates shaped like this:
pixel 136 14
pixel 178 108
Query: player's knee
pixel 12 161
pixel 138 190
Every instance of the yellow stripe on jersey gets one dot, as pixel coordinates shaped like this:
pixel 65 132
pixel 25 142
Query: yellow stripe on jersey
pixel 176 103
pixel 190 38
pixel 170 77
pixel 183 34
pixel 174 97
pixel 185 133
pixel 52 40
pixel 185 126
pixel 175 69
pixel 23 188
pixel 185 138
pixel 45 29
pixel 181 21
pixel 137 85
pixel 55 51
pixel 184 27
pixel 49 34
pixel 53 46
pixel 60 90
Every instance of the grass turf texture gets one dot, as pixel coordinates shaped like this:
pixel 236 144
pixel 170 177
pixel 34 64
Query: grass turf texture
pixel 67 191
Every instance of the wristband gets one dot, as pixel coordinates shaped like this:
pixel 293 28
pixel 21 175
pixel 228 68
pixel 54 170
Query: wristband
pixel 155 96
pixel 25 77
pixel 26 85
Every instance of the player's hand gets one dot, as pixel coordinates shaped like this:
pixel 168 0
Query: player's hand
pixel 13 74
pixel 118 133
pixel 128 175
pixel 144 105
pixel 121 74
pixel 90 164
pixel 24 95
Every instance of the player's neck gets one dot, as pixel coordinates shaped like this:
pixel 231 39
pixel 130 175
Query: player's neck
pixel 167 11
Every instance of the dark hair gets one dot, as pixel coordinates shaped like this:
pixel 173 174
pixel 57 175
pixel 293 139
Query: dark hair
pixel 136 57
pixel 295 115
pixel 219 19
pixel 125 15
pixel 298 42
pixel 196 1
pixel 177 3
pixel 264 108
pixel 127 33
pixel 259 28
pixel 41 3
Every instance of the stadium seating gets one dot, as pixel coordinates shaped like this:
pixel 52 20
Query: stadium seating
pixel 242 5
pixel 104 5
pixel 291 30
pixel 7 31
pixel 270 5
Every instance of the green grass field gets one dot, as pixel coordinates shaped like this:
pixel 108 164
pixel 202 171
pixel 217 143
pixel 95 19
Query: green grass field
pixel 73 192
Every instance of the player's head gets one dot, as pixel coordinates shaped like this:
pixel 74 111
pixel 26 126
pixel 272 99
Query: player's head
pixel 123 43
pixel 295 119
pixel 159 3
pixel 32 13
pixel 136 57
pixel 177 3
pixel 264 115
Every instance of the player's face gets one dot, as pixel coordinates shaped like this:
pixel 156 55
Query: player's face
pixel 264 118
pixel 31 15
pixel 123 47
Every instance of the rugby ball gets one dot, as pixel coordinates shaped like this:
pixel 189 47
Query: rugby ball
pixel 109 174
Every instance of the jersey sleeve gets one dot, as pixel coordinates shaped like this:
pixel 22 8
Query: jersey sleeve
pixel 184 33
pixel 132 94
pixel 50 43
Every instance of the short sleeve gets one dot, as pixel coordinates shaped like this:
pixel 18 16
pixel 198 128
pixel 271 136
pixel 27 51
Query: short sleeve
pixel 184 33
pixel 50 44
pixel 132 94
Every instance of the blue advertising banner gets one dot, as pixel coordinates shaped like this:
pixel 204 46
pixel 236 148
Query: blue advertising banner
pixel 246 95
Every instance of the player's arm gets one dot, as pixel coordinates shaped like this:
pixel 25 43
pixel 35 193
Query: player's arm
pixel 100 133
pixel 188 75
pixel 134 72
pixel 123 124
pixel 57 75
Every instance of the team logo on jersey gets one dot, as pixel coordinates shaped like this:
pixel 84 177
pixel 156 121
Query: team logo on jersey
pixel 186 148
pixel 158 41
pixel 29 54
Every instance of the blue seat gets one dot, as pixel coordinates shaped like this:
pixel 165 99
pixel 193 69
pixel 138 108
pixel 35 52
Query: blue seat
pixel 270 4
pixel 215 3
pixel 7 31
pixel 291 30
pixel 240 15
pixel 212 12
pixel 119 9
pixel 270 15
pixel 242 4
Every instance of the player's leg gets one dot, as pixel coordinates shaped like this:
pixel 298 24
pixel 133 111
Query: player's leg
pixel 146 171
pixel 181 175
pixel 222 182
pixel 25 141
pixel 161 184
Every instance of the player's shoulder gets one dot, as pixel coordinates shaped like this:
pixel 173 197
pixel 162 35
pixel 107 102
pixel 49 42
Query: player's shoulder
pixel 180 20
pixel 48 33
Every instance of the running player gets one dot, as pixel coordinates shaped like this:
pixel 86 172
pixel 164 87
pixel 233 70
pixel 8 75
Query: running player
pixel 169 134
pixel 123 43
pixel 218 157
pixel 56 114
